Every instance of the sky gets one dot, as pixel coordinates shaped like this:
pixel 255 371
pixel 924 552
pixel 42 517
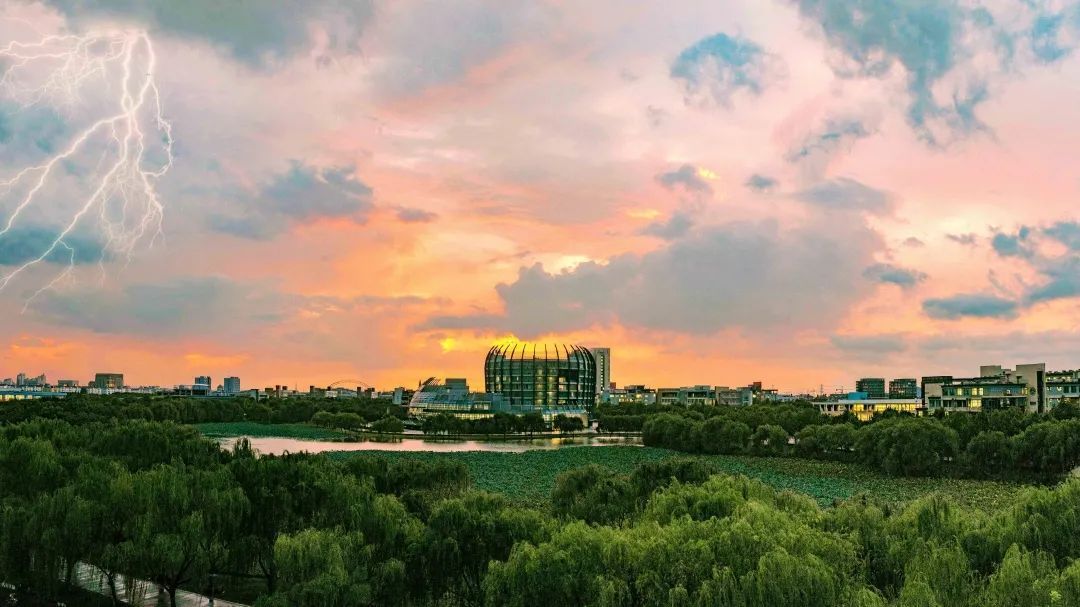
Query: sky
pixel 800 192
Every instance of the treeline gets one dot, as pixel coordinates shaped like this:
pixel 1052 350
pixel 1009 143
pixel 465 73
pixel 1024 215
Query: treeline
pixel 999 444
pixel 499 423
pixel 674 533
pixel 91 408
pixel 156 501
pixel 632 417
pixel 353 421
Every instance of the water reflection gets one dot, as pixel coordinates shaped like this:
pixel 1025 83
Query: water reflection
pixel 277 446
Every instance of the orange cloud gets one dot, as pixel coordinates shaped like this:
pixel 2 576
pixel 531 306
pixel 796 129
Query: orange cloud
pixel 197 359
pixel 36 349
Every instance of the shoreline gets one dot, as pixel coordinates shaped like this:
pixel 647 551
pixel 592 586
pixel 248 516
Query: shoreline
pixel 356 436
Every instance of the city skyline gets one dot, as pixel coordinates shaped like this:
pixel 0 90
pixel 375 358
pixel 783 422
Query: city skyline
pixel 754 190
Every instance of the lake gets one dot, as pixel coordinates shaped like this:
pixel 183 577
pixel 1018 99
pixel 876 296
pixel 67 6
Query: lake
pixel 278 446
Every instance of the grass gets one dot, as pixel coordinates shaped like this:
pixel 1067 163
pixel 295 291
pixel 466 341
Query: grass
pixel 528 477
pixel 255 429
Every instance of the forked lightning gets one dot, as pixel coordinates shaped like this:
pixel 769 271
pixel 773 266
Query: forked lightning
pixel 121 206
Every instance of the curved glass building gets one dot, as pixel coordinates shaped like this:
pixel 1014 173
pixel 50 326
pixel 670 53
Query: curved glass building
pixel 551 377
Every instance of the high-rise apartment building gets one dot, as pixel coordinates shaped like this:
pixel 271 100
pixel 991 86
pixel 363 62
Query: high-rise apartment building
pixel 603 368
pixel 873 387
pixel 903 387
pixel 113 381
pixel 232 385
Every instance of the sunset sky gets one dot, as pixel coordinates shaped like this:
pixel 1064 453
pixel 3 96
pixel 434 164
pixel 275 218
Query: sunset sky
pixel 800 192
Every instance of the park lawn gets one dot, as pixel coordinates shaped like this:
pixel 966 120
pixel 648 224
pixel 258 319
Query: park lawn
pixel 255 429
pixel 529 477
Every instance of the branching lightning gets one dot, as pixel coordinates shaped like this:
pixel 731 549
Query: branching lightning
pixel 122 206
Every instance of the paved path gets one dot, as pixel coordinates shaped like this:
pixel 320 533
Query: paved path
pixel 141 593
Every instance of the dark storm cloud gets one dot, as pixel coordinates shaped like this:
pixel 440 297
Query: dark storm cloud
pixel 302 193
pixel 257 32
pixel 970 305
pixel 718 277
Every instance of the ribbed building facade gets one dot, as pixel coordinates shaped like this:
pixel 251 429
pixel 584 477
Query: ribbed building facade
pixel 542 376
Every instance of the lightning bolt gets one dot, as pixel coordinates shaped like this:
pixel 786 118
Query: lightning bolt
pixel 122 206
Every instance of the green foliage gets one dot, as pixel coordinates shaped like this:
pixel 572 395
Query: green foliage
pixel 563 423
pixel 259 430
pixel 464 535
pixel 769 440
pixel 997 444
pixel 584 526
pixel 388 425
pixel 529 477
pixel 594 494
pixel 89 408
pixel 988 454
pixel 719 435
pixel 907 446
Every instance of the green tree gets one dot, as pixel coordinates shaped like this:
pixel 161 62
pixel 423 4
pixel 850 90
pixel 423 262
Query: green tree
pixel 388 425
pixel 769 440
pixel 464 535
pixel 594 494
pixel 988 454
pixel 564 423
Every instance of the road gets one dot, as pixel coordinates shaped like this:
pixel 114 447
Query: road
pixel 142 593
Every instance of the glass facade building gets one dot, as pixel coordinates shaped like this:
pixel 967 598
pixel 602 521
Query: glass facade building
pixel 544 376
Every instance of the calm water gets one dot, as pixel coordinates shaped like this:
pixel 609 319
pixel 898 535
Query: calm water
pixel 277 446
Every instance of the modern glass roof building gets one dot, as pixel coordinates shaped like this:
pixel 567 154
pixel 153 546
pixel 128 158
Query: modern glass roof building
pixel 543 376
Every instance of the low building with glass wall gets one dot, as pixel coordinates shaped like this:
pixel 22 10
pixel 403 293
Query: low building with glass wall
pixel 452 396
pixel 864 409
pixel 30 394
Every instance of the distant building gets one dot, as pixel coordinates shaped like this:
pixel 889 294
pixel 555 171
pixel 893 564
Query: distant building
pixel 710 395
pixel 636 394
pixel 67 383
pixel 738 397
pixel 9 394
pixel 903 387
pixel 1027 388
pixel 536 376
pixel 401 395
pixel 874 387
pixel 204 380
pixel 232 385
pixel 602 356
pixel 20 380
pixel 1062 386
pixel 983 394
pixel 686 396
pixel 109 381
pixel 452 396
pixel 930 386
pixel 864 409
pixel 192 390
